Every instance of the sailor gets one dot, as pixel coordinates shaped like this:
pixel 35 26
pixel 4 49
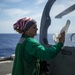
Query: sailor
pixel 29 51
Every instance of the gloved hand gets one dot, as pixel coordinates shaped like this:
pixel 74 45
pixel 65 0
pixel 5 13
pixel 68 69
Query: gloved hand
pixel 62 38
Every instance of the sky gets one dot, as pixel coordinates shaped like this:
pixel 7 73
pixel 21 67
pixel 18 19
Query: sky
pixel 13 10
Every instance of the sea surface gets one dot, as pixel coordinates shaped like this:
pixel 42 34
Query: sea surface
pixel 8 43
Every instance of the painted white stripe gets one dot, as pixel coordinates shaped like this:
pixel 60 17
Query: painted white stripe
pixel 5 62
pixel 8 74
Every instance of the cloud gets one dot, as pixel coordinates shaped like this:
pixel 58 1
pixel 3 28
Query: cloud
pixel 2 5
pixel 12 15
pixel 36 15
pixel 40 1
pixel 0 9
pixel 16 12
pixel 14 1
pixel 6 26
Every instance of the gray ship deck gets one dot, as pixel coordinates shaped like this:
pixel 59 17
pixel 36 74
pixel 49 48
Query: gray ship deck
pixel 6 67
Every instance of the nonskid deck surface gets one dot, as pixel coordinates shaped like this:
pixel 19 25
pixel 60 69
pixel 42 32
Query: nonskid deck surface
pixel 6 67
pixel 6 64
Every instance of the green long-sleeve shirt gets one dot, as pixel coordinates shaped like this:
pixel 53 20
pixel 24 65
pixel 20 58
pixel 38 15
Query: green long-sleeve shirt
pixel 28 50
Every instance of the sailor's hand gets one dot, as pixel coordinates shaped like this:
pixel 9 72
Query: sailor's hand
pixel 62 38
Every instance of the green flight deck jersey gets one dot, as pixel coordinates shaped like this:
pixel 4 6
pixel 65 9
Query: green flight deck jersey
pixel 27 54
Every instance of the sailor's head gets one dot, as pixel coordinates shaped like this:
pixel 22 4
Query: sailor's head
pixel 24 25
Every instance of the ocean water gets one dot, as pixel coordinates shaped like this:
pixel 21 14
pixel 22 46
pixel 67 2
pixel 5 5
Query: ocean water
pixel 8 43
